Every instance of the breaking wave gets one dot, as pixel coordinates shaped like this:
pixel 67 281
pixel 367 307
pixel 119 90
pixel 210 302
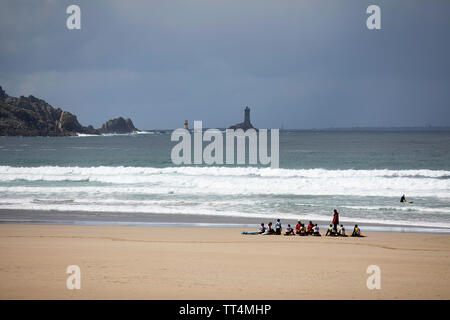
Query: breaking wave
pixel 365 196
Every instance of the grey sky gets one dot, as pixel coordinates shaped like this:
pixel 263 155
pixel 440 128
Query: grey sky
pixel 302 64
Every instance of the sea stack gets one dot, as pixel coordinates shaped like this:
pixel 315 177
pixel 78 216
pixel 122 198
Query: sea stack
pixel 118 125
pixel 246 124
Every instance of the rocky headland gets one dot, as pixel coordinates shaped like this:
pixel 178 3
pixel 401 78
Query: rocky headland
pixel 30 116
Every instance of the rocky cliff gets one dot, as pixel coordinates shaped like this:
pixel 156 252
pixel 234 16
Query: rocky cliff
pixel 30 116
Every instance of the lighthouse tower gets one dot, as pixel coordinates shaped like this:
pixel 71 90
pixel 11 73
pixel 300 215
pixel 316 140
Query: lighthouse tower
pixel 247 115
pixel 246 124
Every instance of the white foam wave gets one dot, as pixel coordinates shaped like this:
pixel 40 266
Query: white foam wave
pixel 86 135
pixel 402 208
pixel 224 180
pixel 226 171
pixel 113 134
pixel 243 192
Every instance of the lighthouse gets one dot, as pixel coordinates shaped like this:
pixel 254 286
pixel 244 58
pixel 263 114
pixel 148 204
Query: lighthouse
pixel 247 115
pixel 246 124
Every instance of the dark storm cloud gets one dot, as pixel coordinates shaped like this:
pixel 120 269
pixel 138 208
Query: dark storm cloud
pixel 302 64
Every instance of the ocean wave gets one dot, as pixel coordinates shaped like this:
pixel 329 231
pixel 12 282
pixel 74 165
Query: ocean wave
pixel 126 134
pixel 225 171
pixel 113 134
pixel 407 208
pixel 228 181
pixel 81 135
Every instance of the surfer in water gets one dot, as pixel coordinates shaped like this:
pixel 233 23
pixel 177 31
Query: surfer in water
pixel 403 200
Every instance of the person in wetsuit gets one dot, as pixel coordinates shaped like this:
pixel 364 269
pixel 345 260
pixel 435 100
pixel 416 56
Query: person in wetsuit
pixel 356 231
pixel 335 220
pixel 262 229
pixel 330 231
pixel 269 229
pixel 278 227
pixel 289 231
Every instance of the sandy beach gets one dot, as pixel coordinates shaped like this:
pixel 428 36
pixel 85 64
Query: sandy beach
pixel 217 263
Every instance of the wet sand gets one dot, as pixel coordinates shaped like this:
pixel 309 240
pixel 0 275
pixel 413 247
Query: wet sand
pixel 217 263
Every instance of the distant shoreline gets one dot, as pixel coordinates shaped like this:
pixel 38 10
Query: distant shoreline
pixel 381 129
pixel 169 131
pixel 355 129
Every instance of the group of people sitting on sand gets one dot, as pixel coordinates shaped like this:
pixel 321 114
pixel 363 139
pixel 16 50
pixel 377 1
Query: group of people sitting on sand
pixel 312 229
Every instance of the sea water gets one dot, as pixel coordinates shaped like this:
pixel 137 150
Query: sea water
pixel 127 178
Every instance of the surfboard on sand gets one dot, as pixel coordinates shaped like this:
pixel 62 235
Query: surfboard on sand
pixel 250 233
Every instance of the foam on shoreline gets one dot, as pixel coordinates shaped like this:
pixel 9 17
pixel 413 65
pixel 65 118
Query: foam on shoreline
pixel 38 217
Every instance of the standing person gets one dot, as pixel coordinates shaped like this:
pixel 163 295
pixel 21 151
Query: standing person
pixel 278 227
pixel 335 220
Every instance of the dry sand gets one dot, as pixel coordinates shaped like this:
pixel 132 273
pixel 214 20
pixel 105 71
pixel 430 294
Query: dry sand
pixel 209 263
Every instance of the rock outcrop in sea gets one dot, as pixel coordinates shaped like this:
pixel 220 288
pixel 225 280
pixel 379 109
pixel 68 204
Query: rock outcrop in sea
pixel 246 124
pixel 30 116
pixel 118 125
